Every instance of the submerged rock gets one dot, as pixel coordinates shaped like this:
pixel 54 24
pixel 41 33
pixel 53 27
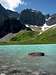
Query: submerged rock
pixel 36 54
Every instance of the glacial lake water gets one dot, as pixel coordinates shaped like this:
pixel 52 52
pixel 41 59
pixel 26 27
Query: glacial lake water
pixel 16 56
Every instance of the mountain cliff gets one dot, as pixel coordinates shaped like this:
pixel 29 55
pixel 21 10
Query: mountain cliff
pixel 9 22
pixel 3 15
pixel 51 20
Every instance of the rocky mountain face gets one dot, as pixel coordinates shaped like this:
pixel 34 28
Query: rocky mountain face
pixel 52 20
pixel 12 14
pixel 3 15
pixel 32 17
pixel 36 18
pixel 9 22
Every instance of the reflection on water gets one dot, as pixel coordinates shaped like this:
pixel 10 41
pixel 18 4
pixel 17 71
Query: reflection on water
pixel 14 60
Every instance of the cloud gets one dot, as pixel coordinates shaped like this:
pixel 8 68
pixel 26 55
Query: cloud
pixel 11 4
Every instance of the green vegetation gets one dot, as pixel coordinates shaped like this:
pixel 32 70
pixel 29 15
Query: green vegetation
pixel 48 36
pixel 25 36
pixel 32 37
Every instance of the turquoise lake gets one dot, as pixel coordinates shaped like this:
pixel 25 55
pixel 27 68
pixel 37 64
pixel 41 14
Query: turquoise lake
pixel 17 55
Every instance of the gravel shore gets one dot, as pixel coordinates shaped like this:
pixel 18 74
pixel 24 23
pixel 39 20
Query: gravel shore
pixel 12 70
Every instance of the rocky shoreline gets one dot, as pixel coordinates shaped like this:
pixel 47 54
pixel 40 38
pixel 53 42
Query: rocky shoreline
pixel 12 70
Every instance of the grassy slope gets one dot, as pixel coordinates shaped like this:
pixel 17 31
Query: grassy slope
pixel 31 37
pixel 48 36
pixel 25 37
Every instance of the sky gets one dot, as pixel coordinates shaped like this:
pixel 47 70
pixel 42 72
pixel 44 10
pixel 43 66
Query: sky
pixel 45 6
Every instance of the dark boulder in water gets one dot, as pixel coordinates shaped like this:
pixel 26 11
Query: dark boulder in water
pixel 36 54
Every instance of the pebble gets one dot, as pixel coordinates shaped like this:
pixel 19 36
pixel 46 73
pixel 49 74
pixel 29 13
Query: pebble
pixel 35 73
pixel 2 74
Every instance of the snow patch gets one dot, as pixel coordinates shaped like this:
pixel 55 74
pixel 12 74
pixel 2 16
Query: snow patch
pixel 48 19
pixel 46 27
pixel 27 25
